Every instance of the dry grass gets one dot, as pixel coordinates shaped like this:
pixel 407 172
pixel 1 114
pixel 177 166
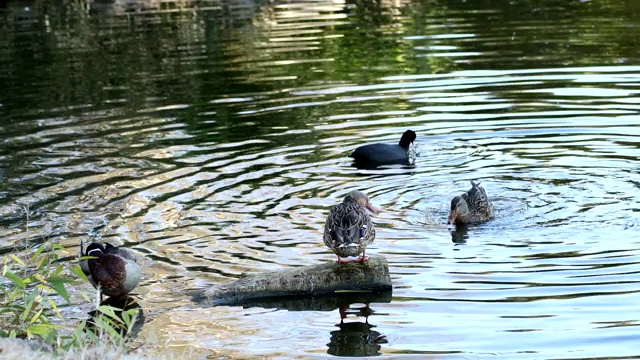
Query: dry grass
pixel 18 349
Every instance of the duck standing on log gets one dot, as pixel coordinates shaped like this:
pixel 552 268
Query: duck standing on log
pixel 349 228
pixel 471 207
pixel 112 270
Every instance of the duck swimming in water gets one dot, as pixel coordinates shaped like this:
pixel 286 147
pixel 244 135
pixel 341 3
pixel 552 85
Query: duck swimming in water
pixel 383 154
pixel 349 229
pixel 471 207
pixel 113 270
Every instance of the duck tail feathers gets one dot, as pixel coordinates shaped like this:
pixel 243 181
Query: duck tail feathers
pixel 346 237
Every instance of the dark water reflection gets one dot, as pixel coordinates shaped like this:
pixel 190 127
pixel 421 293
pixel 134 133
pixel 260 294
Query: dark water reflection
pixel 355 339
pixel 459 233
pixel 130 325
pixel 211 138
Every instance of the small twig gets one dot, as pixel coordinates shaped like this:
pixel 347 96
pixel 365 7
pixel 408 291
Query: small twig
pixel 26 209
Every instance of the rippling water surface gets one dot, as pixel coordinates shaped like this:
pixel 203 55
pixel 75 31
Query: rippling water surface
pixel 211 138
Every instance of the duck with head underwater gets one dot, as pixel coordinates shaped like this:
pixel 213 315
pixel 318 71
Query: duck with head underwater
pixel 112 270
pixel 471 207
pixel 349 228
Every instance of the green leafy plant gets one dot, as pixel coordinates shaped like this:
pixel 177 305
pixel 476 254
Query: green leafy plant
pixel 27 300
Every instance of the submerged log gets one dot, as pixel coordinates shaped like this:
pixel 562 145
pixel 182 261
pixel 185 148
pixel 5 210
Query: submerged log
pixel 323 302
pixel 370 276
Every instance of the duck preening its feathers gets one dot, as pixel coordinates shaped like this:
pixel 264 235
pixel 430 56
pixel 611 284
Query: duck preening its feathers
pixel 113 270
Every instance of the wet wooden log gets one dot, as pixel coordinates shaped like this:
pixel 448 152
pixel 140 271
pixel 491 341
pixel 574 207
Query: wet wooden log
pixel 323 302
pixel 370 276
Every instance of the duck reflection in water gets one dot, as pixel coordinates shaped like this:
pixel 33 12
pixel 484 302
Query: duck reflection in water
pixel 355 338
pixel 459 234
pixel 126 325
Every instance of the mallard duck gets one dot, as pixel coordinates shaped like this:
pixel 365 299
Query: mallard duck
pixel 349 229
pixel 113 270
pixel 471 207
pixel 381 154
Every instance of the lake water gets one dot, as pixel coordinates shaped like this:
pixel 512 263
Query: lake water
pixel 212 138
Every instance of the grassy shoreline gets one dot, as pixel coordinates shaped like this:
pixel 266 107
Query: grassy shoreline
pixel 33 287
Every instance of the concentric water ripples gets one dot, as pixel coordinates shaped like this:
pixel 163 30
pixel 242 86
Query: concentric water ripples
pixel 562 184
pixel 240 180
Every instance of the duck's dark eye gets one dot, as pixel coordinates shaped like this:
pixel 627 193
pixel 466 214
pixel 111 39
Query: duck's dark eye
pixel 362 231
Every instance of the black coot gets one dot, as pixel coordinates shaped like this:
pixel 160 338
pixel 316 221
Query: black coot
pixel 382 154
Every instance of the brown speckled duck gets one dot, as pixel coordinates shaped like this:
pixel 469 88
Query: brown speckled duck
pixel 112 270
pixel 349 229
pixel 471 207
